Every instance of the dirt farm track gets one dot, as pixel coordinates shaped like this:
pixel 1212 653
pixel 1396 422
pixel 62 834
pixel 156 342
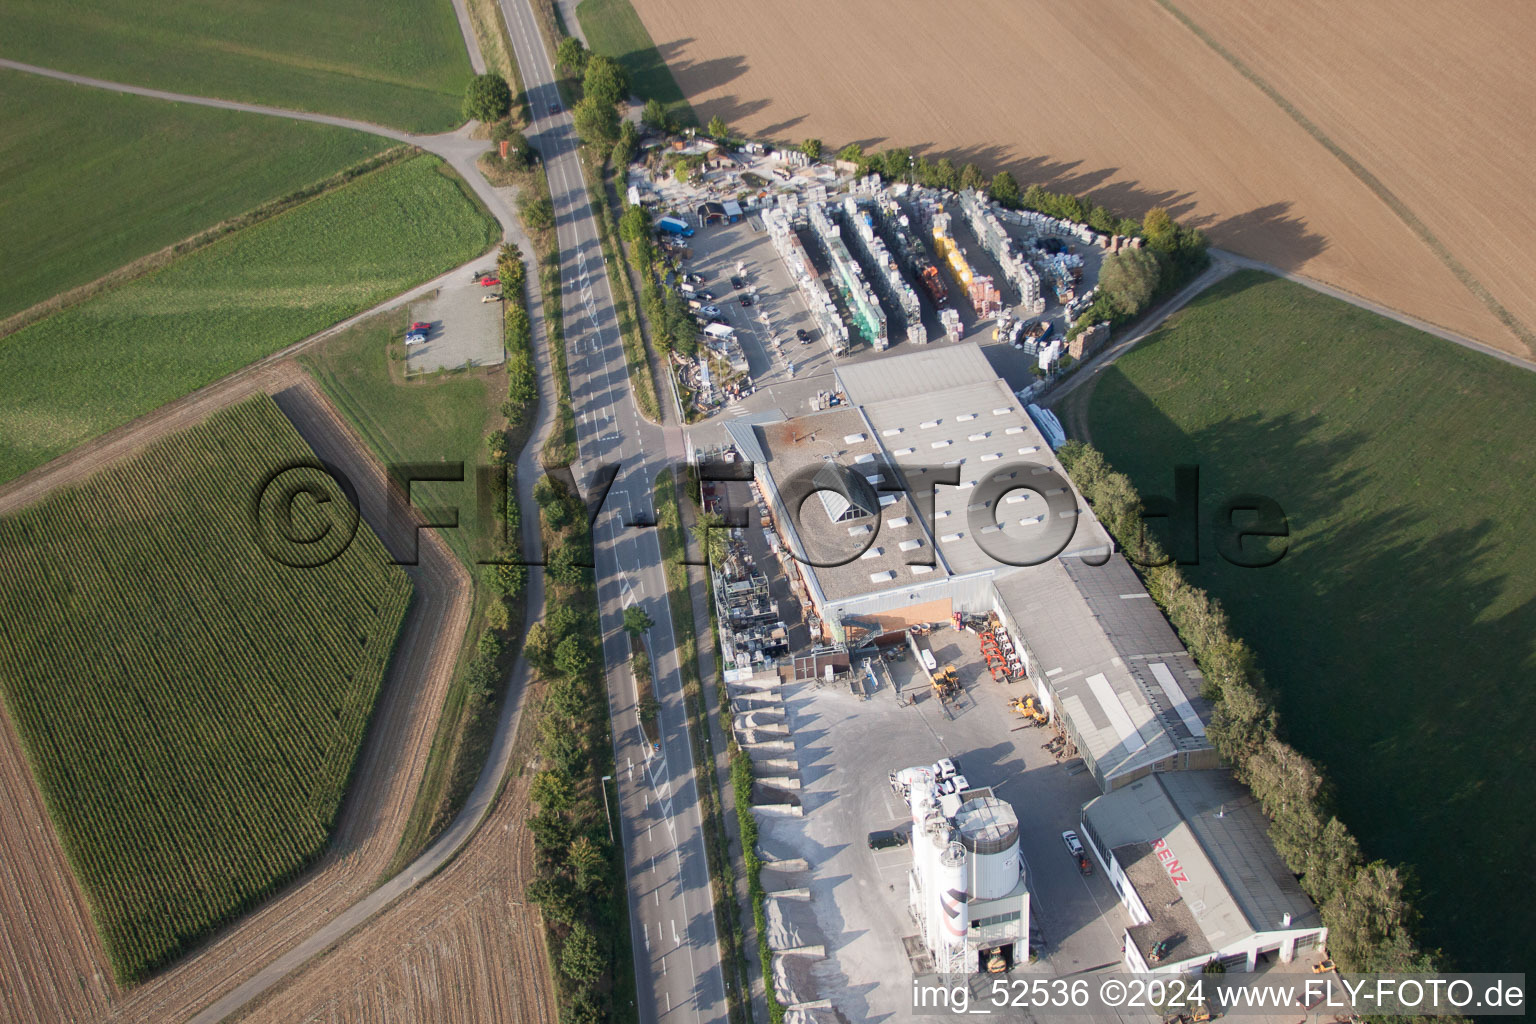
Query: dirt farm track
pixel 1381 148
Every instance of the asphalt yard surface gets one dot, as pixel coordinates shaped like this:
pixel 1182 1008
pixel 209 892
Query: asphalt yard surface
pixel 847 745
pixel 464 329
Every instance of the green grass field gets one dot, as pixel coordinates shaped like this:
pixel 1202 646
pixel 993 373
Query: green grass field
pixel 191 707
pixel 1399 632
pixel 436 418
pixel 615 30
pixel 95 179
pixel 122 354
pixel 393 62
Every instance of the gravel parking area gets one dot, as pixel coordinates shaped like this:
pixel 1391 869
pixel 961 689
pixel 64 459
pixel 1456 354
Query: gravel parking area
pixel 464 330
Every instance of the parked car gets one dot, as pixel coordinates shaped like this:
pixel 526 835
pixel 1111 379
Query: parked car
pixel 888 838
pixel 481 273
pixel 493 297
pixel 735 281
pixel 415 338
pixel 710 311
pixel 421 325
pixel 804 336
pixel 489 282
pixel 746 300
pixel 554 108
pixel 694 278
pixel 707 296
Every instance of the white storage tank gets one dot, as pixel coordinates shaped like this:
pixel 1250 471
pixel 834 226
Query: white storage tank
pixel 946 874
pixel 954 911
pixel 989 831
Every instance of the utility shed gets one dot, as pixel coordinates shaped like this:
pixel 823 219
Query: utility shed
pixel 1189 854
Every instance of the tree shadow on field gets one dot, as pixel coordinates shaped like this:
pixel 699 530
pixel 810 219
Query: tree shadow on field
pixel 1285 240
pixel 1396 645
pixel 695 77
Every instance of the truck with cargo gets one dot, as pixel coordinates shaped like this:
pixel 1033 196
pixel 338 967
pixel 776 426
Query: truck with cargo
pixel 675 226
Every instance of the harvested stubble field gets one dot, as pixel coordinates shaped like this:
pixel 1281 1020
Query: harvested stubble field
pixel 191 707
pixel 1398 627
pixel 112 358
pixel 467 946
pixel 393 62
pixel 97 179
pixel 1126 102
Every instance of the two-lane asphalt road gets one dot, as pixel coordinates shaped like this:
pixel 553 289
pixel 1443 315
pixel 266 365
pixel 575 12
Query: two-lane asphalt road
pixel 677 953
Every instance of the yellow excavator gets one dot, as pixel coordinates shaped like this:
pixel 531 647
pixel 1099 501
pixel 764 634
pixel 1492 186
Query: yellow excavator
pixel 946 683
pixel 1029 709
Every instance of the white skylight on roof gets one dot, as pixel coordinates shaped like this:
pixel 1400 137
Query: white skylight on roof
pixel 1014 430
pixel 854 531
pixel 981 436
pixel 887 500
pixel 899 521
pixel 966 417
pixel 991 456
pixel 950 538
pixel 905 451
pixel 1032 520
pixel 854 438
pixel 918 570
pixel 882 577
pixel 941 444
pixel 1030 450
pixel 890 431
pixel 866 458
pixel 910 545
pixel 929 424
pixel 874 552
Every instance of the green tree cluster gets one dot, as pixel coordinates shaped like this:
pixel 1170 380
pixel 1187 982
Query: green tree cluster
pixel 487 98
pixel 1364 904
pixel 571 56
pixel 579 884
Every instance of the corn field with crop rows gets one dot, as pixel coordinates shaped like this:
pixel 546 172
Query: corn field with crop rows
pixel 191 707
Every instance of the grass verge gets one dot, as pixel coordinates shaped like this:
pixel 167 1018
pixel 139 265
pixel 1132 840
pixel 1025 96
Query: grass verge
pixel 218 696
pixel 625 308
pixel 716 843
pixel 99 364
pixel 1406 599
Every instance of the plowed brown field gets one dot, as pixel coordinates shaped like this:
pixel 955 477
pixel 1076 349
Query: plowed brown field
pixel 1126 102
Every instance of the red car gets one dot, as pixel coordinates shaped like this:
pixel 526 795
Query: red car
pixel 421 325
pixel 488 282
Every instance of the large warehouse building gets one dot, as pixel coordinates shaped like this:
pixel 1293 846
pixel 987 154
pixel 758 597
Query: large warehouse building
pixel 882 546
pixel 905 504
pixel 1190 856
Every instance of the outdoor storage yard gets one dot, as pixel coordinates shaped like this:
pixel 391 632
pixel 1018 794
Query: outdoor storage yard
pixel 1128 104
pixel 843 747
pixel 789 375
